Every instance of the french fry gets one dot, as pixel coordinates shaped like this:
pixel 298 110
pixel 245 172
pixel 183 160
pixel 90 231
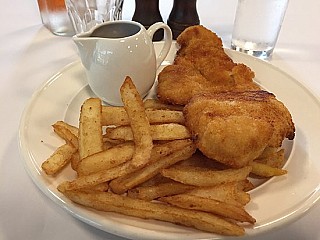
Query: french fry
pixel 102 187
pixel 86 181
pixel 203 177
pixel 243 197
pixel 209 205
pixel 272 158
pixel 157 116
pixel 109 202
pixel 66 134
pixel 169 131
pixel 118 116
pixel 139 122
pixel 268 152
pixel 94 179
pixel 157 179
pixel 264 170
pixel 156 104
pixel 229 193
pixel 90 129
pixel 106 159
pixel 161 190
pixel 59 159
pixel 161 132
pixel 182 150
pixel 74 130
pixel 108 142
pixel 246 185
pixel 75 159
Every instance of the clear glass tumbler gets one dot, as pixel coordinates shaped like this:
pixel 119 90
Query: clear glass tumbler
pixel 257 25
pixel 85 14
pixel 55 17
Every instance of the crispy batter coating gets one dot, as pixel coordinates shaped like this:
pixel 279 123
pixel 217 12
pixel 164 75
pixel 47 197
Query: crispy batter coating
pixel 231 119
pixel 234 128
pixel 201 66
pixel 194 33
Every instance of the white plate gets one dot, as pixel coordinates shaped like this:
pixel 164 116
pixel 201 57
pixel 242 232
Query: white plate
pixel 275 203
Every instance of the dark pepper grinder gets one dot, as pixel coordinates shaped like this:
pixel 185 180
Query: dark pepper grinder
pixel 183 14
pixel 147 13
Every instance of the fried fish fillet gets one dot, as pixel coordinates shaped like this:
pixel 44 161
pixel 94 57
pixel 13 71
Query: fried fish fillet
pixel 234 128
pixel 201 66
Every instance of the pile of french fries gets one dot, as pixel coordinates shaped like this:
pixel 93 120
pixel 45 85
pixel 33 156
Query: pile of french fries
pixel 140 160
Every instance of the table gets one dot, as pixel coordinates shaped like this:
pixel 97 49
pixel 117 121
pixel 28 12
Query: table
pixel 30 55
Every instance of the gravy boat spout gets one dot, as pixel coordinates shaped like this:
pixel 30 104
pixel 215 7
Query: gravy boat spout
pixel 86 46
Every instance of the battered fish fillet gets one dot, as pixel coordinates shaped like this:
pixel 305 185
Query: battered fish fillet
pixel 234 128
pixel 201 66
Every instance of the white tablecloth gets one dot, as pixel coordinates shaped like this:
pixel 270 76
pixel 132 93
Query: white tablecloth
pixel 30 55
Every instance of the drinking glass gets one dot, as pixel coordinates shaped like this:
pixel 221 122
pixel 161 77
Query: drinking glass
pixel 257 25
pixel 85 14
pixel 55 17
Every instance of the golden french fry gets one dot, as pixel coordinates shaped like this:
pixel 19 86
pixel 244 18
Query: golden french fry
pixel 161 190
pixel 268 151
pixel 229 193
pixel 101 187
pixel 161 132
pixel 139 122
pixel 94 179
pixel 203 177
pixel 156 104
pixel 169 131
pixel 264 170
pixel 107 145
pixel 109 158
pixel 278 160
pixel 158 152
pixel 209 205
pixel 118 116
pixel 122 133
pixel 74 130
pixel 246 185
pixel 157 179
pixel 157 116
pixel 66 134
pixel 75 159
pixel 183 150
pixel 90 129
pixel 109 202
pixel 60 158
pixel 108 142
pixel 273 158
pixel 243 197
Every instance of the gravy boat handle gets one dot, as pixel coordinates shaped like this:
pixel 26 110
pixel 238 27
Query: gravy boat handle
pixel 167 40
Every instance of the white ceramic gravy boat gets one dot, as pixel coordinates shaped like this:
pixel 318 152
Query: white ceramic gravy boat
pixel 113 50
